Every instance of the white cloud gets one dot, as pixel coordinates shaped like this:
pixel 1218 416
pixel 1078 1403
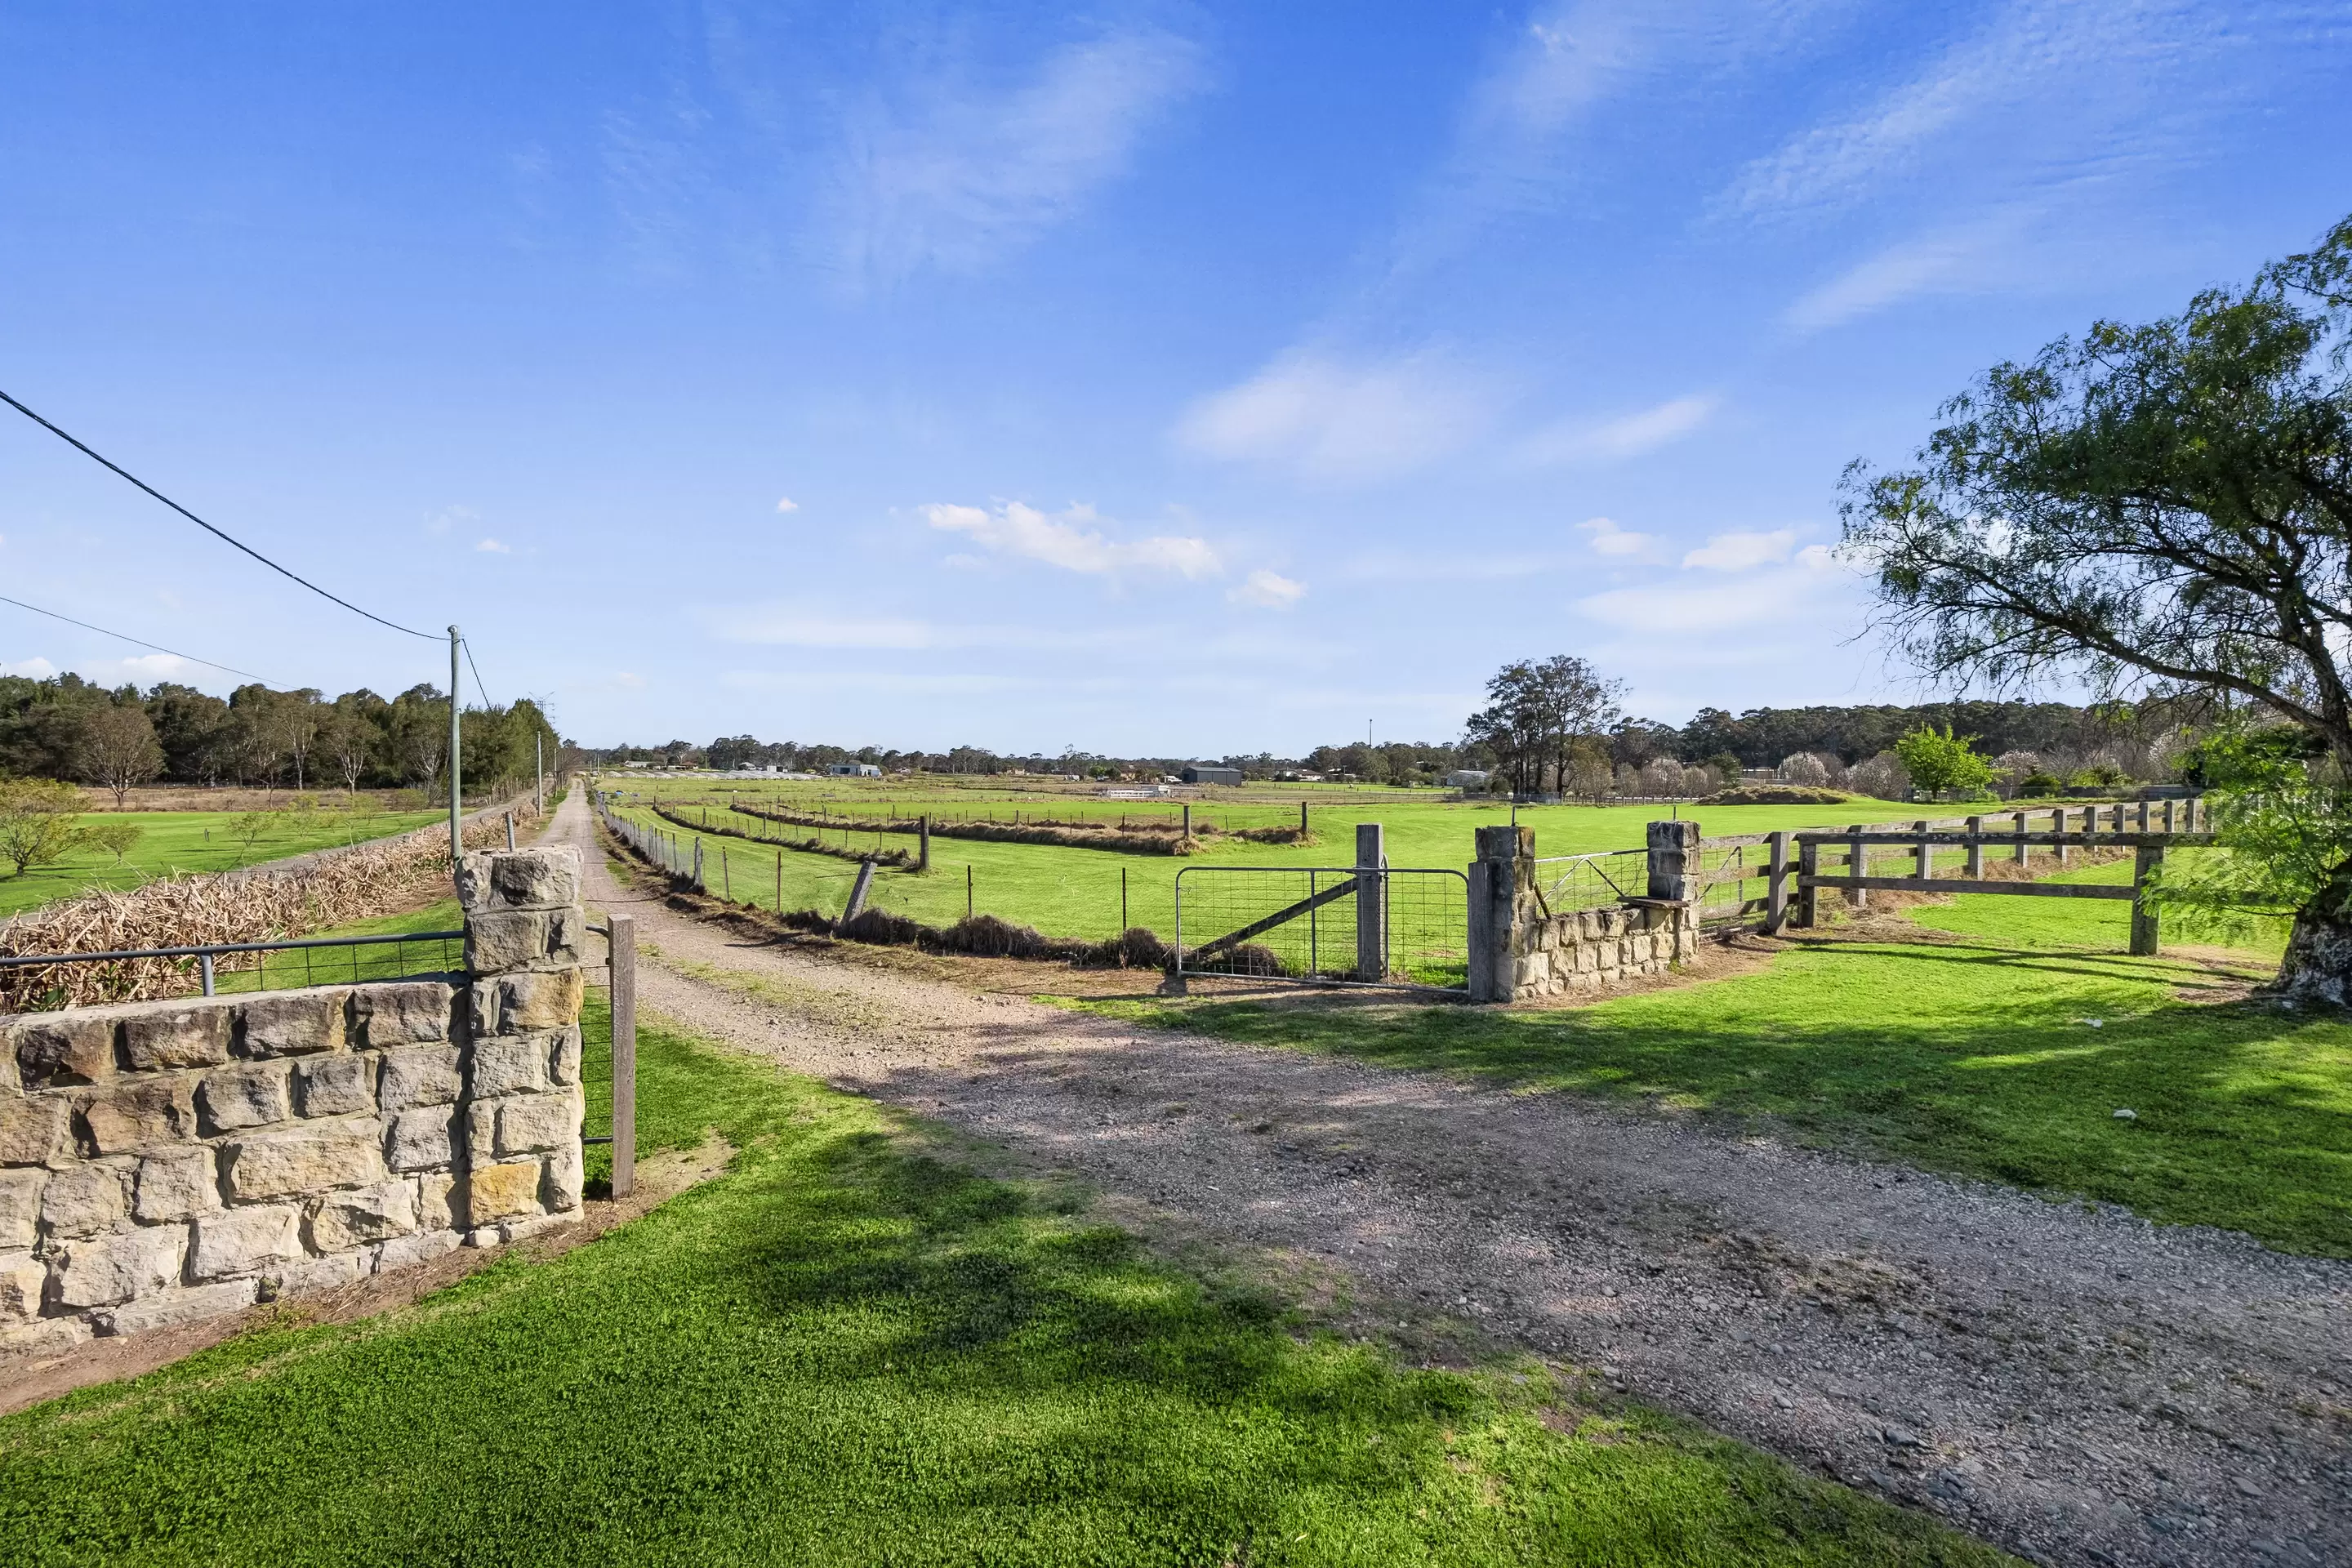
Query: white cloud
pixel 1966 258
pixel 34 668
pixel 1268 591
pixel 1608 539
pixel 1334 422
pixel 1630 436
pixel 154 666
pixel 888 682
pixel 624 679
pixel 1449 566
pixel 788 504
pixel 492 547
pixel 1070 541
pixel 951 175
pixel 1743 552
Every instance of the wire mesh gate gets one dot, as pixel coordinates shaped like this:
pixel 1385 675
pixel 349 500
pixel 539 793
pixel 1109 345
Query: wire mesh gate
pixel 1328 925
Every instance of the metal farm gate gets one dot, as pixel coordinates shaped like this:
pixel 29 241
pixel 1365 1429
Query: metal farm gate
pixel 1367 924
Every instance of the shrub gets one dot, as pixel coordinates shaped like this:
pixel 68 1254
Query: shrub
pixel 1939 761
pixel 2039 782
pixel 39 822
pixel 1883 777
pixel 1805 771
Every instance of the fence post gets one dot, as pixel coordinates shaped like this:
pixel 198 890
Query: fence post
pixel 1188 819
pixel 2144 919
pixel 858 890
pixel 623 946
pixel 1500 879
pixel 1675 868
pixel 923 828
pixel 1808 865
pixel 1776 885
pixel 511 843
pixel 2167 815
pixel 1857 864
pixel 1372 903
pixel 2058 826
pixel 697 867
pixel 1976 846
pixel 2023 850
pixel 1923 854
pixel 2140 819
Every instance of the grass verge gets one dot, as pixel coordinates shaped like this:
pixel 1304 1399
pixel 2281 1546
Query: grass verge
pixel 846 1350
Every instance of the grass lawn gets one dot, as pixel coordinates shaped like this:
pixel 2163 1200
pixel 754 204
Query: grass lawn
pixel 1066 891
pixel 1978 1056
pixel 195 841
pixel 849 1349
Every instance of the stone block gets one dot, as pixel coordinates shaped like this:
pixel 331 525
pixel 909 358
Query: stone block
pixel 419 1138
pixel 564 1057
pixel 402 1251
pixel 103 1270
pixel 508 1064
pixel 533 1124
pixel 424 1076
pixel 434 1209
pixel 246 1241
pixel 567 930
pixel 505 939
pixel 56 1048
pixel 296 1023
pixel 314 1155
pixel 176 1035
pixel 252 1095
pixel 335 1085
pixel 524 1227
pixel 139 1113
pixel 314 1275
pixel 170 1309
pixel 345 1220
pixel 84 1198
pixel 533 1004
pixel 176 1184
pixel 20 1205
pixel 22 1277
pixel 43 1339
pixel 560 1188
pixel 494 1193
pixel 34 1128
pixel 414 1013
pixel 540 878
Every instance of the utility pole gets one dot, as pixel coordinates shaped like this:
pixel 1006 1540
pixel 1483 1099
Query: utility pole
pixel 456 839
pixel 538 772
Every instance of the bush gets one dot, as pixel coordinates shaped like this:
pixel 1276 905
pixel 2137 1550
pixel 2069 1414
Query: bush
pixel 1883 777
pixel 39 822
pixel 2039 782
pixel 1939 761
pixel 1805 771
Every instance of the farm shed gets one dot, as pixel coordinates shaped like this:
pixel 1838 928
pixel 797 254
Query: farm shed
pixel 1209 773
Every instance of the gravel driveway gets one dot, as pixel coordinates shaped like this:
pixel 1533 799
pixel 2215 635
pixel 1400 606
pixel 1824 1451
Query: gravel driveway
pixel 2078 1386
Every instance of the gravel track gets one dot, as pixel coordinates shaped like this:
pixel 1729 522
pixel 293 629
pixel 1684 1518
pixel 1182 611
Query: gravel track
pixel 2076 1385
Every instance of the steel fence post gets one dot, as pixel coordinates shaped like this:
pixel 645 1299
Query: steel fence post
pixel 1371 907
pixel 622 944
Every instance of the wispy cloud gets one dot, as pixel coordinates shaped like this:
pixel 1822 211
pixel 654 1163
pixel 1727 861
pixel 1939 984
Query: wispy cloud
pixel 788 504
pixel 1743 552
pixel 1332 421
pixel 816 626
pixel 1628 435
pixel 945 174
pixel 492 547
pixel 1987 254
pixel 1072 540
pixel 1791 592
pixel 1267 590
pixel 1622 543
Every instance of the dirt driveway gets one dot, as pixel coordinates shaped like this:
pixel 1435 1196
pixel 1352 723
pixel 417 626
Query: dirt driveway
pixel 2080 1387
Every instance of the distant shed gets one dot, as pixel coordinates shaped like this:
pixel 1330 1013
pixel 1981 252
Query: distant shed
pixel 1209 773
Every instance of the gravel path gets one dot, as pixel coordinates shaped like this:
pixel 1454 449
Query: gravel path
pixel 2078 1386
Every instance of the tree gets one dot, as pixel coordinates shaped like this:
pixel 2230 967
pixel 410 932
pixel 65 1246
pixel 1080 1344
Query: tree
pixel 118 835
pixel 2166 506
pixel 1536 714
pixel 119 749
pixel 1939 761
pixel 39 822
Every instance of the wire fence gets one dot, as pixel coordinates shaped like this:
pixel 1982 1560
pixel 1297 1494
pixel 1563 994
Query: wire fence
pixel 1571 882
pixel 1321 924
pixel 231 968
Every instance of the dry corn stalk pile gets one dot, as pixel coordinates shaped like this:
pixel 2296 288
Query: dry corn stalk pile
pixel 334 888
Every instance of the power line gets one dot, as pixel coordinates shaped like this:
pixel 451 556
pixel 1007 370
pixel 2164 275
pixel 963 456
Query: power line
pixel 141 642
pixel 467 644
pixel 207 527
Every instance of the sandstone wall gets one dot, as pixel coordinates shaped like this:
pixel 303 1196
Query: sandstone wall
pixel 164 1161
pixel 1520 951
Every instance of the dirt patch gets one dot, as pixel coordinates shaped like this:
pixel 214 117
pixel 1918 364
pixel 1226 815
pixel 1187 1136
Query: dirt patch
pixel 659 1178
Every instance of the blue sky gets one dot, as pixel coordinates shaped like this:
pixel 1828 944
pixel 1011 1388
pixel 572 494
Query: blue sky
pixel 1149 378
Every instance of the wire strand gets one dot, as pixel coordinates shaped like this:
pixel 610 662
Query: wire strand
pixel 467 644
pixel 138 642
pixel 207 527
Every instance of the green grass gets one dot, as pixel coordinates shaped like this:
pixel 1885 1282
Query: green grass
pixel 1066 891
pixel 1973 1057
pixel 847 1350
pixel 177 841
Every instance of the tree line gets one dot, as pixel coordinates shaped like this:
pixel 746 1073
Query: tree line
pixel 64 727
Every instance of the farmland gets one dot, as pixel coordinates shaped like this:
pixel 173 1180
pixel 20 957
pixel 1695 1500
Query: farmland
pixel 1076 892
pixel 172 842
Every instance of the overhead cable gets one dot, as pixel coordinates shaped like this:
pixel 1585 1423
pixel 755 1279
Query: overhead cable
pixel 207 527
pixel 123 636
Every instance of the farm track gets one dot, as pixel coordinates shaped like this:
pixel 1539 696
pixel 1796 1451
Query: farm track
pixel 2081 1387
